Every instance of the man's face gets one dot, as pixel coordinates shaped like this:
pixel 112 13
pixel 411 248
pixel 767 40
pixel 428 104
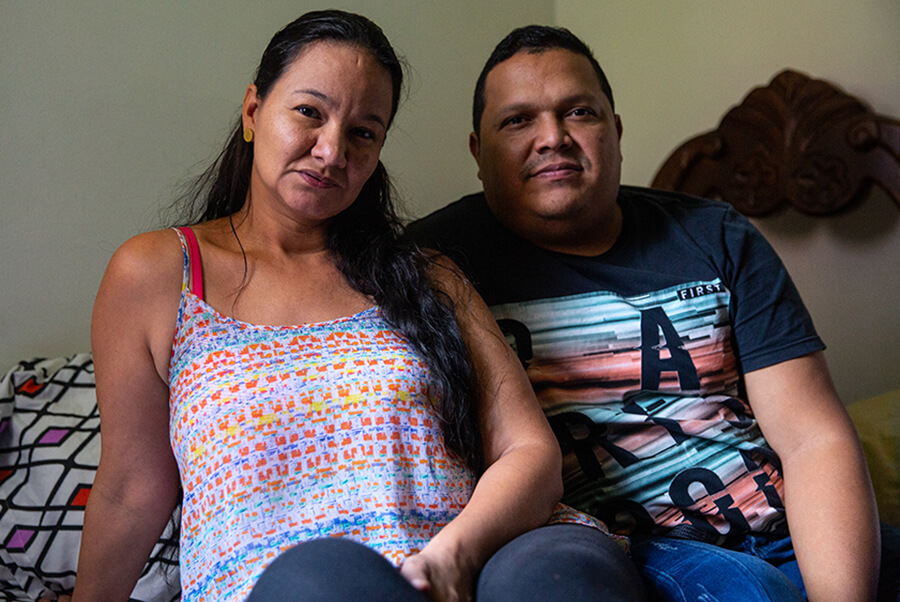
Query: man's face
pixel 548 150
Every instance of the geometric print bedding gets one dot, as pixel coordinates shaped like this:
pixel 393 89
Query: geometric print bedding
pixel 49 450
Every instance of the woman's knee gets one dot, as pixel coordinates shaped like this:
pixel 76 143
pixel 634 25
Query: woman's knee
pixel 560 562
pixel 332 569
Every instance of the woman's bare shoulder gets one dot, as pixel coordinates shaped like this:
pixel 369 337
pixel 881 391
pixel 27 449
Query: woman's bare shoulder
pixel 136 308
pixel 147 261
pixel 142 283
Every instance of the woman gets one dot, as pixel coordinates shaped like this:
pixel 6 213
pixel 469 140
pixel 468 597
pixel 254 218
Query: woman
pixel 295 367
pixel 298 230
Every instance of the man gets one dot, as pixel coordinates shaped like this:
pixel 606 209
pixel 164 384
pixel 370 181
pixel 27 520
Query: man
pixel 672 353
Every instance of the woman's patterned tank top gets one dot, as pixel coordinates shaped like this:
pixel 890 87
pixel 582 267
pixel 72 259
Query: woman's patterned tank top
pixel 288 433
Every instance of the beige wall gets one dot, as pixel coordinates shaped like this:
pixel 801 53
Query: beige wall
pixel 108 106
pixel 677 67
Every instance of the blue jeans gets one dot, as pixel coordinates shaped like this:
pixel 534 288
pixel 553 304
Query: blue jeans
pixel 759 568
pixel 682 570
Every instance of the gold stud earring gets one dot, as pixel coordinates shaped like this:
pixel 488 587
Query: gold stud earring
pixel 248 135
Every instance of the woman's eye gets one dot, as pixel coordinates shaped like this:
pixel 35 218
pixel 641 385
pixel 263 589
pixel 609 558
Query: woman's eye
pixel 307 111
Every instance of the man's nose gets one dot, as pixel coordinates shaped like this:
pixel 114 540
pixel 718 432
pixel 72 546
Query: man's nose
pixel 552 134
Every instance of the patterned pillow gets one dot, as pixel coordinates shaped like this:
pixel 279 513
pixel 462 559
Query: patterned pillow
pixel 49 450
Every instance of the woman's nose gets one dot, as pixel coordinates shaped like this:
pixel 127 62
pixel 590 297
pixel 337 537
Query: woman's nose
pixel 331 146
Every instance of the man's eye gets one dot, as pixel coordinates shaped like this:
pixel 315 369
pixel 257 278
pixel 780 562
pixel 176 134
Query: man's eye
pixel 517 120
pixel 581 112
pixel 364 133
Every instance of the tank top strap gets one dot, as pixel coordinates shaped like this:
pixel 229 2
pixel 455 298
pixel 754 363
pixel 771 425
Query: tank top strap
pixel 193 265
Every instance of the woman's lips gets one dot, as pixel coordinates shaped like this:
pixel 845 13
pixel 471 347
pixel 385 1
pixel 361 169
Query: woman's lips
pixel 317 179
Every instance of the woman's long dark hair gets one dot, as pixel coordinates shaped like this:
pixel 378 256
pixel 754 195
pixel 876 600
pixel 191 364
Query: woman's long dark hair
pixel 367 240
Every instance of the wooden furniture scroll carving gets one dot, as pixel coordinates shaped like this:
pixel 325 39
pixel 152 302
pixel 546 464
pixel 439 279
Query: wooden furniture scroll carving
pixel 797 140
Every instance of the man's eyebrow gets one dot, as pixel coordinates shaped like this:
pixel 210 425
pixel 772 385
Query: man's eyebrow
pixel 328 101
pixel 581 97
pixel 515 107
pixel 525 105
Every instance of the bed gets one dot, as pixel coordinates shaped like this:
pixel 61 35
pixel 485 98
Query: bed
pixel 49 450
pixel 797 141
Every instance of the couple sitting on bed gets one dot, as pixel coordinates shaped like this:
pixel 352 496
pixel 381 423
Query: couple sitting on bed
pixel 343 418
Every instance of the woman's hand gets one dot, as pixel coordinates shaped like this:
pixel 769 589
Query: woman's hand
pixel 442 577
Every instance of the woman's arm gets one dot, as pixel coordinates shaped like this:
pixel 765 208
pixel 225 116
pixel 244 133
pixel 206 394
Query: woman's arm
pixel 828 494
pixel 523 479
pixel 136 486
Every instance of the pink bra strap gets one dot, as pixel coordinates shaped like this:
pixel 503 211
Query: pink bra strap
pixel 194 258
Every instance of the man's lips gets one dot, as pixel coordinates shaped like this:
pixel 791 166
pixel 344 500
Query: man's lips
pixel 560 168
pixel 317 179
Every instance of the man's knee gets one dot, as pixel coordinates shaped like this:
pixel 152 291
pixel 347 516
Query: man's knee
pixel 677 569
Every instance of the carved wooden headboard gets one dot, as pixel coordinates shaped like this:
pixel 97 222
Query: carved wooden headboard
pixel 798 140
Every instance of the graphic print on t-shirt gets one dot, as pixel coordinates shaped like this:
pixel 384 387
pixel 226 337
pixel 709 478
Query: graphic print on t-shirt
pixel 642 395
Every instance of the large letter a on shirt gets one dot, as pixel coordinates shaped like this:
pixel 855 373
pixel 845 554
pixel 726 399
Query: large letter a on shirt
pixel 657 332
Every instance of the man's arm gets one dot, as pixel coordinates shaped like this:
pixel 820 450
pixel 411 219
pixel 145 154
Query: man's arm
pixel 828 493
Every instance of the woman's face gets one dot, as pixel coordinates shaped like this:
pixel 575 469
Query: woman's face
pixel 319 131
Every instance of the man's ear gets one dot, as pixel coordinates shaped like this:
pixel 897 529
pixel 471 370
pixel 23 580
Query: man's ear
pixel 619 132
pixel 475 149
pixel 248 109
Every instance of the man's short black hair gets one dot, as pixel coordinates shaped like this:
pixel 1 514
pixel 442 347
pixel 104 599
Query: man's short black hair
pixel 534 39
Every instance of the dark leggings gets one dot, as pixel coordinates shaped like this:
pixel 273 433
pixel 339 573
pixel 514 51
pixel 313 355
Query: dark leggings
pixel 561 562
pixel 333 570
pixel 556 562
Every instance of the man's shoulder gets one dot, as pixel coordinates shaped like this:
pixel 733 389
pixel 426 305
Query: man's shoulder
pixel 675 204
pixel 466 231
pixel 460 223
pixel 456 212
